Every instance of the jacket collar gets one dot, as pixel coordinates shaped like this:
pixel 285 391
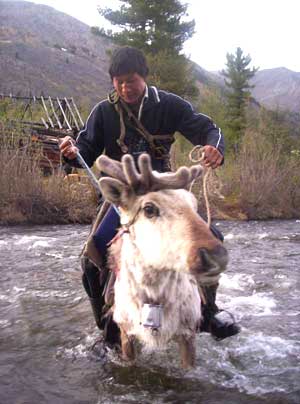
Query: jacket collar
pixel 151 97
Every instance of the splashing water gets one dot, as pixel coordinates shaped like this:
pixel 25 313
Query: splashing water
pixel 47 330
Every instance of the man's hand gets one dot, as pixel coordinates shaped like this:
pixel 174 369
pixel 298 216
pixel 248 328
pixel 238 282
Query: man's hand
pixel 67 148
pixel 212 157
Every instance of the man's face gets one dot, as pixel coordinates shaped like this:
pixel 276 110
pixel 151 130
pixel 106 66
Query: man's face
pixel 130 87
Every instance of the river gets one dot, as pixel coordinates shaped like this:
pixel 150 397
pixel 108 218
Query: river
pixel 47 331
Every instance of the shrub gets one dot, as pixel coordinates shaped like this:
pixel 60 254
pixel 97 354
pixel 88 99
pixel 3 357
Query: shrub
pixel 261 182
pixel 26 195
pixel 265 179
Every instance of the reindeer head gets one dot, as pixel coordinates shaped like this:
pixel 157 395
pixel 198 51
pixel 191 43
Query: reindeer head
pixel 162 213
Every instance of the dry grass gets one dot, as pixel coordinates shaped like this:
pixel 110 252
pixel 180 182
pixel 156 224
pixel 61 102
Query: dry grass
pixel 261 183
pixel 27 196
pixel 267 180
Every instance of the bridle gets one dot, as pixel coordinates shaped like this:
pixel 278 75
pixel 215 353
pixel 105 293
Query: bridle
pixel 125 228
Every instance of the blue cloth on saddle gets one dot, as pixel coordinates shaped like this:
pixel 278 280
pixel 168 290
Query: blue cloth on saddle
pixel 107 229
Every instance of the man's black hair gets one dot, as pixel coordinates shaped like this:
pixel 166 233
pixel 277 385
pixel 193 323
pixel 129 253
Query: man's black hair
pixel 127 60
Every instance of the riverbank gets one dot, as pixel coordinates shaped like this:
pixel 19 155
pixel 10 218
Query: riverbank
pixel 79 206
pixel 35 199
pixel 260 183
pixel 52 200
pixel 29 196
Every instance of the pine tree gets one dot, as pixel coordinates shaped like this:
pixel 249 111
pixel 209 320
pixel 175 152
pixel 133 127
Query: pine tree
pixel 158 29
pixel 237 77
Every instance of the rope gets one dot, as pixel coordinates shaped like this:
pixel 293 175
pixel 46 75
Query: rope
pixel 159 150
pixel 196 155
pixel 121 139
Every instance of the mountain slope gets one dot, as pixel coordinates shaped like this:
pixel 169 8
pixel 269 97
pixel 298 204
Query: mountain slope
pixel 44 50
pixel 278 88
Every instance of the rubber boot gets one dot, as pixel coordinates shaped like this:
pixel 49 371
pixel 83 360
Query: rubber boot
pixel 94 285
pixel 219 323
pixel 97 305
pixel 111 333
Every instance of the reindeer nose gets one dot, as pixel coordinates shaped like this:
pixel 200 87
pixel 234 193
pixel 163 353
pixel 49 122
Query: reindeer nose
pixel 217 257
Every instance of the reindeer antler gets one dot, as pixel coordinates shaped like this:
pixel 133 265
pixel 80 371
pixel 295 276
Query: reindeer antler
pixel 146 180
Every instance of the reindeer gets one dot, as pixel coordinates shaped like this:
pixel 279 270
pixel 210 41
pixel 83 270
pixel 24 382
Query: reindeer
pixel 163 249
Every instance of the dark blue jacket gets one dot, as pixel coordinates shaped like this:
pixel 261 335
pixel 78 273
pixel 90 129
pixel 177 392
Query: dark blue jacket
pixel 160 113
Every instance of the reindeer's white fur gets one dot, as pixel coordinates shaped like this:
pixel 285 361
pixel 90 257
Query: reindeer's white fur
pixel 164 242
pixel 154 268
pixel 181 308
pixel 161 254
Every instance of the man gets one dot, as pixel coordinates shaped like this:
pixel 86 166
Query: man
pixel 135 119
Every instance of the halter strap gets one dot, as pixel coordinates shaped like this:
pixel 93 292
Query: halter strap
pixel 159 151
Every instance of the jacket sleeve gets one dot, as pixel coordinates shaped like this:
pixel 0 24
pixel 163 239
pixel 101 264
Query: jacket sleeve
pixel 90 139
pixel 198 128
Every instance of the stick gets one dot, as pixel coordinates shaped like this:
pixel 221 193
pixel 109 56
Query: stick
pixel 89 172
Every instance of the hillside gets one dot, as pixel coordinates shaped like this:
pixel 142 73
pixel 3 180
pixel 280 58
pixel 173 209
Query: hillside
pixel 278 88
pixel 43 50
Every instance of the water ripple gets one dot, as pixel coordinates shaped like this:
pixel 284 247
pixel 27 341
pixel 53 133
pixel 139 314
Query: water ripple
pixel 47 331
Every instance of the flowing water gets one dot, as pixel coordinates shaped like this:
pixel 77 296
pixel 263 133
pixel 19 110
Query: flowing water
pixel 47 331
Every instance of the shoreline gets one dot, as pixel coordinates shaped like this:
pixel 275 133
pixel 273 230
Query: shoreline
pixel 223 217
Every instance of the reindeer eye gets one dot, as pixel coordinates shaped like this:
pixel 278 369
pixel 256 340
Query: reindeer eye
pixel 150 210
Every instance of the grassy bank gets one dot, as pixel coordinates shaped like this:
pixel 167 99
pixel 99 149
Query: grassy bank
pixel 27 196
pixel 261 182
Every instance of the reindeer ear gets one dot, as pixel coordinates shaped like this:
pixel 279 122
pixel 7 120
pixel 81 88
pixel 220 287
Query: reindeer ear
pixel 112 189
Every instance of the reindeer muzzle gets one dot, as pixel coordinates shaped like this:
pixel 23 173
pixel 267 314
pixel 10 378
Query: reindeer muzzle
pixel 213 260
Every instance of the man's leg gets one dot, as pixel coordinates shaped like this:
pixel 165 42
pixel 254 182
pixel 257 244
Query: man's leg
pixel 95 280
pixel 94 285
pixel 220 324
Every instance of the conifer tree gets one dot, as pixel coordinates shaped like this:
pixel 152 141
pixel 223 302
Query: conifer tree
pixel 237 78
pixel 159 29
